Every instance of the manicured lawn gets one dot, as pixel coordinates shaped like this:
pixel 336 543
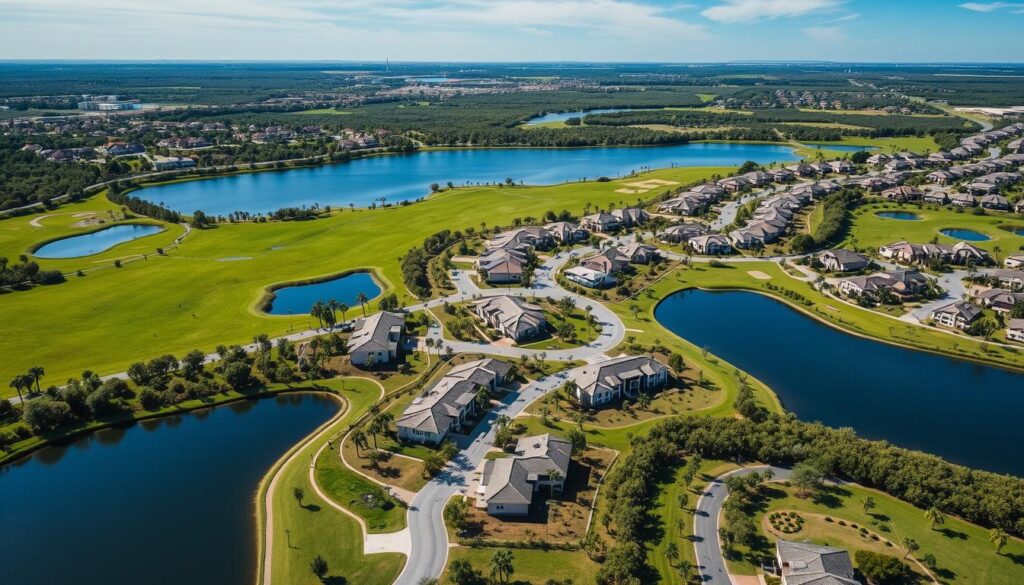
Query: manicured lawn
pixel 918 144
pixel 532 567
pixel 190 298
pixel 962 550
pixel 869 231
pixel 301 532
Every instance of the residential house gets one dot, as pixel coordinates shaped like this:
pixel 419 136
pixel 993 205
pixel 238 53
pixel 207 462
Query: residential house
pixel 1000 300
pixel 980 188
pixel 995 202
pixel 622 377
pixel 446 404
pixel 609 260
pixel 903 283
pixel 962 200
pixel 710 244
pixel 964 253
pixel 567 232
pixel 959 315
pixel 781 175
pixel 841 260
pixel 803 563
pixel 631 216
pixel 1014 261
pixel 502 266
pixel 600 222
pixel 376 339
pixel 942 177
pixel 936 197
pixel 522 238
pixel 734 184
pixel 682 232
pixel 589 277
pixel 507 484
pixel 512 316
pixel 1015 330
pixel 902 193
pixel 1011 279
pixel 844 167
pixel 638 253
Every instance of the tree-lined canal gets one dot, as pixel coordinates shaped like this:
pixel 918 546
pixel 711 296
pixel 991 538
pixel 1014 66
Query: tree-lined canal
pixel 965 412
pixel 168 501
pixel 395 178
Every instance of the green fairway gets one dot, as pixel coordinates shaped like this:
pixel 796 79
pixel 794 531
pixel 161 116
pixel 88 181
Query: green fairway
pixel 301 532
pixel 918 144
pixel 205 292
pixel 870 231
pixel 532 567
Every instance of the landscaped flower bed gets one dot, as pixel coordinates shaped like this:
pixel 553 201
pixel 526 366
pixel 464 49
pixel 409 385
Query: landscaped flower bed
pixel 786 522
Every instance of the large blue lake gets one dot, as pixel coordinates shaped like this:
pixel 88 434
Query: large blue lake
pixel 164 502
pixel 965 412
pixel 299 299
pixel 408 177
pixel 95 242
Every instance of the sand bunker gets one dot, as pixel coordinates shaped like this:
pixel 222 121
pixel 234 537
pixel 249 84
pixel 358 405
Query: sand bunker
pixel 759 275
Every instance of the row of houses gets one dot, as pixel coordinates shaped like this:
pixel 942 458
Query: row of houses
pixel 959 253
pixel 771 219
pixel 614 220
pixel 901 283
pixel 507 254
pixel 906 194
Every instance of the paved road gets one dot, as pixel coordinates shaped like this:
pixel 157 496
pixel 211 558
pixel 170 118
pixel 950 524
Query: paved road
pixel 710 562
pixel 426 521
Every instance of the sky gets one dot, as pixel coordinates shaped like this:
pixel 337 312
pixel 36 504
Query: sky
pixel 514 30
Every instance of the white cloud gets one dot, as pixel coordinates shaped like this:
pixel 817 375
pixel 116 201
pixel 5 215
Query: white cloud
pixel 733 11
pixel 826 34
pixel 1012 7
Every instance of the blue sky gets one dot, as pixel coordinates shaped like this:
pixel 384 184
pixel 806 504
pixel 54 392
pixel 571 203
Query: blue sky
pixel 514 30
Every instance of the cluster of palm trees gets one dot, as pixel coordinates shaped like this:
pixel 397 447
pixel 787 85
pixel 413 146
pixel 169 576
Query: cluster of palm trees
pixel 379 424
pixel 25 382
pixel 438 346
pixel 327 312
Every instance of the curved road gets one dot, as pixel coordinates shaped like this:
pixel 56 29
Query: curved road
pixel 708 549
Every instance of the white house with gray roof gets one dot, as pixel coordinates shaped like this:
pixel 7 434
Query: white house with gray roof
pixel 960 315
pixel 376 338
pixel 507 484
pixel 622 377
pixel 803 563
pixel 445 405
pixel 512 316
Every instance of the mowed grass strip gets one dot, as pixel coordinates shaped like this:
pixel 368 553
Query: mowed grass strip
pixel 194 298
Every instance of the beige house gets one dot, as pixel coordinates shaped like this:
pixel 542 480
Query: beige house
pixel 512 316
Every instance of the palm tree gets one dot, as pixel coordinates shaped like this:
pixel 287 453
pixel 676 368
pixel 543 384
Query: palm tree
pixel 501 564
pixel 672 553
pixel 374 428
pixel 482 397
pixel 361 297
pixel 868 504
pixel 344 309
pixel 384 421
pixel 36 372
pixel 298 494
pixel 18 383
pixel 934 516
pixel 685 568
pixel 359 440
pixel 332 306
pixel 502 421
pixel 998 537
pixel 319 566
pixel 317 310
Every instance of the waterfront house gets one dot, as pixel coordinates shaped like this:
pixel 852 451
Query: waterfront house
pixel 959 315
pixel 962 199
pixel 902 193
pixel 589 277
pixel 376 339
pixel 609 260
pixel 710 244
pixel 995 202
pixel 446 404
pixel 623 377
pixel 1015 330
pixel 840 260
pixel 507 484
pixel 803 563
pixel 512 316
pixel 903 283
pixel 936 197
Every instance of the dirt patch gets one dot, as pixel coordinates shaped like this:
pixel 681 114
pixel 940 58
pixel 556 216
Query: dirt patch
pixel 562 518
pixel 631 191
pixel 87 222
pixel 652 183
pixel 403 472
pixel 759 275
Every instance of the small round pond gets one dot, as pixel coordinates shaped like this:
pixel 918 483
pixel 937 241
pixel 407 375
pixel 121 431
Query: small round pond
pixel 95 242
pixel 299 299
pixel 1017 230
pixel 965 234
pixel 901 215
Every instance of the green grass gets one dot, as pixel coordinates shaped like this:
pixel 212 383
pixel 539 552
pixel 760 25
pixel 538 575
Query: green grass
pixel 870 231
pixel 322 112
pixel 918 144
pixel 962 550
pixel 317 528
pixel 533 567
pixel 188 299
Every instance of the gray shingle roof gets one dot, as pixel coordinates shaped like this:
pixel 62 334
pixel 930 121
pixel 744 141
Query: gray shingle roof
pixel 810 564
pixel 373 333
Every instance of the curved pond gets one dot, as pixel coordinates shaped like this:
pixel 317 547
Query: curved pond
pixel 1013 229
pixel 901 215
pixel 170 499
pixel 299 299
pixel 962 411
pixel 563 116
pixel 406 177
pixel 964 234
pixel 95 242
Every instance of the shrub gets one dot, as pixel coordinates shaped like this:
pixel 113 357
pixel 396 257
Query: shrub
pixel 880 569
